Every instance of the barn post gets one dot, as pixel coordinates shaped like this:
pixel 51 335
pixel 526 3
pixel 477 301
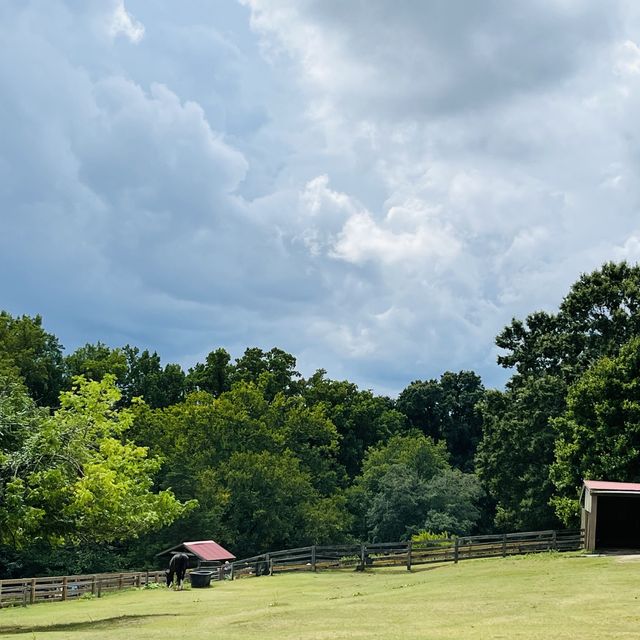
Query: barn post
pixel 313 557
pixel 64 587
pixel 409 549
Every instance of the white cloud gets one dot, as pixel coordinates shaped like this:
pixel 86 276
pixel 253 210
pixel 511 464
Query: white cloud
pixel 121 22
pixel 628 59
pixel 380 198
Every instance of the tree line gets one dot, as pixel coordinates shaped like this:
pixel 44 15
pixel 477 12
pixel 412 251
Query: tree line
pixel 107 455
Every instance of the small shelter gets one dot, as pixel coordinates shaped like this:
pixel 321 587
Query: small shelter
pixel 203 552
pixel 610 515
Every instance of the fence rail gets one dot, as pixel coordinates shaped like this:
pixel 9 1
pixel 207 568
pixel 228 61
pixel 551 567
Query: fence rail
pixel 23 591
pixel 409 554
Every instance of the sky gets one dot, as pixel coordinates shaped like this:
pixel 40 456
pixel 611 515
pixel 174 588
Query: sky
pixel 377 187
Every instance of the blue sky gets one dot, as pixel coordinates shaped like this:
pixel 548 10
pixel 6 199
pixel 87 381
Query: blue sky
pixel 376 187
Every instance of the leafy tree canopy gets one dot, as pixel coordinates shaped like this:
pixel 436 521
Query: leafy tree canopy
pixel 35 354
pixel 447 410
pixel 598 437
pixel 75 479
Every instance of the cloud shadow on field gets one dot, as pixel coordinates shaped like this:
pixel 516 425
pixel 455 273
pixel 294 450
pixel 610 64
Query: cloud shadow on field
pixel 87 625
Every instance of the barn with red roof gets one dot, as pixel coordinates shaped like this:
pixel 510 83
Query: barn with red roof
pixel 610 515
pixel 204 552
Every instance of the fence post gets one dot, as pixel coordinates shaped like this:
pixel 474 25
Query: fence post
pixel 313 557
pixel 32 597
pixel 64 588
pixel 362 556
pixel 25 596
pixel 504 545
pixel 99 587
pixel 456 550
pixel 409 550
pixel 232 571
pixel 555 540
pixel 270 565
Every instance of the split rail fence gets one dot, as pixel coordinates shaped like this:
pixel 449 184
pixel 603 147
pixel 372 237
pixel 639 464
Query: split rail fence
pixel 409 554
pixel 23 591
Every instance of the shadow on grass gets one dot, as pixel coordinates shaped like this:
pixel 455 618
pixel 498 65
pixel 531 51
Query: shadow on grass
pixel 416 568
pixel 87 625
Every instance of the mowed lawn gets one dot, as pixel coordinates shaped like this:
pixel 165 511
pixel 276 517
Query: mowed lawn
pixel 541 596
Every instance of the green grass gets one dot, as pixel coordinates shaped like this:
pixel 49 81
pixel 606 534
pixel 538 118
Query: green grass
pixel 543 596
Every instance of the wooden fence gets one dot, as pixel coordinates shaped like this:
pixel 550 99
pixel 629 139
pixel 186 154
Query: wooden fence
pixel 409 554
pixel 23 591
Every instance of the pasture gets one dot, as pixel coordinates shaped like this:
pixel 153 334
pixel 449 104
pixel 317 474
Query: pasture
pixel 539 596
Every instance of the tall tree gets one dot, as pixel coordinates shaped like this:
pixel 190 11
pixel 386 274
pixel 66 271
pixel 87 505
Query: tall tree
pixel 74 479
pixel 94 361
pixel 549 352
pixel 599 435
pixel 36 354
pixel 274 370
pixel 362 419
pixel 447 410
pixel 516 452
pixel 147 379
pixel 407 485
pixel 214 376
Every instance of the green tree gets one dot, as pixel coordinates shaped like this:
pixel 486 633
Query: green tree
pixel 94 361
pixel 422 459
pixel 447 409
pixel 361 418
pixel 549 352
pixel 599 314
pixel 598 437
pixel 274 370
pixel 272 504
pixel 516 452
pixel 75 479
pixel 36 354
pixel 207 440
pixel 214 376
pixel 147 379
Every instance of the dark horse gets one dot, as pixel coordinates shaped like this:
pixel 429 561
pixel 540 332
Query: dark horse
pixel 178 568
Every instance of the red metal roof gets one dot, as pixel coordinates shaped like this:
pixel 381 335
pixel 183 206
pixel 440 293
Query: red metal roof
pixel 602 485
pixel 209 550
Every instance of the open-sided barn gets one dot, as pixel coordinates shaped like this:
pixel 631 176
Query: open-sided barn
pixel 203 552
pixel 610 515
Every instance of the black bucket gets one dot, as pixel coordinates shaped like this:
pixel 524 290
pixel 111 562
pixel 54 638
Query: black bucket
pixel 200 579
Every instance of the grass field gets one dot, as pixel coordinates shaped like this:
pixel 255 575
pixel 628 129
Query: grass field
pixel 541 596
